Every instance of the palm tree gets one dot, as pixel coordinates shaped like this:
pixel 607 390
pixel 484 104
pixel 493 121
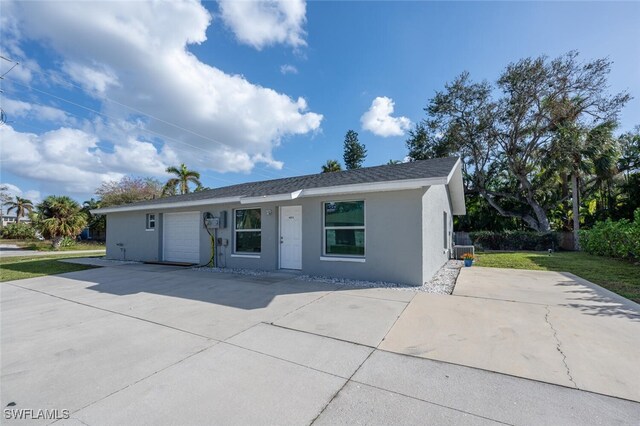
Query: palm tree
pixel 183 177
pixel 95 223
pixel 21 206
pixel 585 152
pixel 331 166
pixel 59 217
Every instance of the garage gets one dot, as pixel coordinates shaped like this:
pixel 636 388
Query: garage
pixel 181 237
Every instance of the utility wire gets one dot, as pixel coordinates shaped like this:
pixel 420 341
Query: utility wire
pixel 153 132
pixel 155 118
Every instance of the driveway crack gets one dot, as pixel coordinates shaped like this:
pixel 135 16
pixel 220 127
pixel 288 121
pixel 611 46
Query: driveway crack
pixel 559 346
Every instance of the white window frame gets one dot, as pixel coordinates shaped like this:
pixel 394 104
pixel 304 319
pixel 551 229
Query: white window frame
pixel 235 238
pixel 150 219
pixel 354 257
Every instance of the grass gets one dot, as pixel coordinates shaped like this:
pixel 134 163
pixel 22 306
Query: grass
pixel 19 268
pixel 621 277
pixel 46 245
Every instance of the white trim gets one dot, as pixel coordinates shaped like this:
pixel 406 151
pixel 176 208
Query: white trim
pixel 271 198
pixel 246 256
pixel 325 227
pixel 453 170
pixel 169 205
pixel 343 259
pixel 235 231
pixel 394 185
pixel 151 230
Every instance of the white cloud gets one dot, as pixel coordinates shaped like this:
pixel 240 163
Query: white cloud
pixel 378 119
pixel 20 109
pixel 65 159
pixel 14 191
pixel 265 23
pixel 122 53
pixel 288 69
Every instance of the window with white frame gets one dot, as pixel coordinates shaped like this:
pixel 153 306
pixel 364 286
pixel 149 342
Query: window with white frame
pixel 344 228
pixel 151 221
pixel 248 231
pixel 445 227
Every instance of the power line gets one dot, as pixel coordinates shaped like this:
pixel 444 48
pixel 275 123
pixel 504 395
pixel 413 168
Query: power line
pixel 158 134
pixel 154 117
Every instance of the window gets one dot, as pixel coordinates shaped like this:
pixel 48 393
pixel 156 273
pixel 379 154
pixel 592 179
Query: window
pixel 151 222
pixel 445 227
pixel 344 229
pixel 247 227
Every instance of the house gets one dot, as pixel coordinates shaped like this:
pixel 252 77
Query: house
pixel 7 220
pixel 391 223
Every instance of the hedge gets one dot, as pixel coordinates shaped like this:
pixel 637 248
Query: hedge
pixel 18 231
pixel 614 239
pixel 515 240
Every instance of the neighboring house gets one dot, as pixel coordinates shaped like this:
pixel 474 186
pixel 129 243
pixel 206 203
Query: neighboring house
pixel 390 223
pixel 6 220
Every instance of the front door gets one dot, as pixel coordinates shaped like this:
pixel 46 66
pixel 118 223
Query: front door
pixel 291 237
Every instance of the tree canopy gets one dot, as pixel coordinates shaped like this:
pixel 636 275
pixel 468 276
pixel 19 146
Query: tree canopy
pixel 180 183
pixel 128 190
pixel 354 151
pixel 509 134
pixel 331 166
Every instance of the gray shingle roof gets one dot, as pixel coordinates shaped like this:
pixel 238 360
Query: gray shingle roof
pixel 434 168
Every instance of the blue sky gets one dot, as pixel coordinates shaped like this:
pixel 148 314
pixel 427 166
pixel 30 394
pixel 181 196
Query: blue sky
pixel 246 91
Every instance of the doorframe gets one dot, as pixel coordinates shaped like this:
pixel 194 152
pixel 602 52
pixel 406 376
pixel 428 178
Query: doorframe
pixel 280 210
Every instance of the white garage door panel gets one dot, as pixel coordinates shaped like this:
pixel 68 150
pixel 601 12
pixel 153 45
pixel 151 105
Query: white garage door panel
pixel 181 236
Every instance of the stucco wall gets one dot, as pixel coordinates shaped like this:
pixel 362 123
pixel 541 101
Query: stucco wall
pixel 128 229
pixel 394 249
pixel 435 201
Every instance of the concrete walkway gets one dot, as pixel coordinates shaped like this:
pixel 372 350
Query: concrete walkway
pixel 547 326
pixel 152 344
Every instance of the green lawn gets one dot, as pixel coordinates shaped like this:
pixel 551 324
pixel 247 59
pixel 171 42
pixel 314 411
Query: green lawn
pixel 46 245
pixel 616 275
pixel 18 268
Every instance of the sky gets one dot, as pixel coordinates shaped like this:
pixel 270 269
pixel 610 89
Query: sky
pixel 244 90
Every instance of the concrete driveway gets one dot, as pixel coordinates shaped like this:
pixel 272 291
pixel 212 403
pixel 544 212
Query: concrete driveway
pixel 154 345
pixel 548 326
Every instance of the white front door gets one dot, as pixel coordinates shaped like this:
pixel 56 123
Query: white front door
pixel 291 237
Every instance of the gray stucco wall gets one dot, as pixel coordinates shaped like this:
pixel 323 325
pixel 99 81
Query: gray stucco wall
pixel 397 223
pixel 435 202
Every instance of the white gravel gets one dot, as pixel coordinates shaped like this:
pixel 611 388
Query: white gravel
pixel 252 272
pixel 442 282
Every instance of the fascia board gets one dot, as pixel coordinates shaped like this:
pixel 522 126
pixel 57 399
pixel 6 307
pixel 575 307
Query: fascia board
pixel 161 206
pixel 395 185
pixel 270 198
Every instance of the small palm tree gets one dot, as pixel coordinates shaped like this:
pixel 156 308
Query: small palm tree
pixel 21 206
pixel 59 217
pixel 184 176
pixel 331 166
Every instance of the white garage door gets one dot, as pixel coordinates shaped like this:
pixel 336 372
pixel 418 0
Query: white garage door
pixel 181 236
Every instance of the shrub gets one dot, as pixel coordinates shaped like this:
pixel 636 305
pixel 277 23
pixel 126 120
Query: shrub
pixel 19 231
pixel 67 242
pixel 614 239
pixel 514 240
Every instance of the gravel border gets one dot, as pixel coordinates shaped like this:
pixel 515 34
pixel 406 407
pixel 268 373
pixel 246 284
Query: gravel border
pixel 443 282
pixel 251 272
